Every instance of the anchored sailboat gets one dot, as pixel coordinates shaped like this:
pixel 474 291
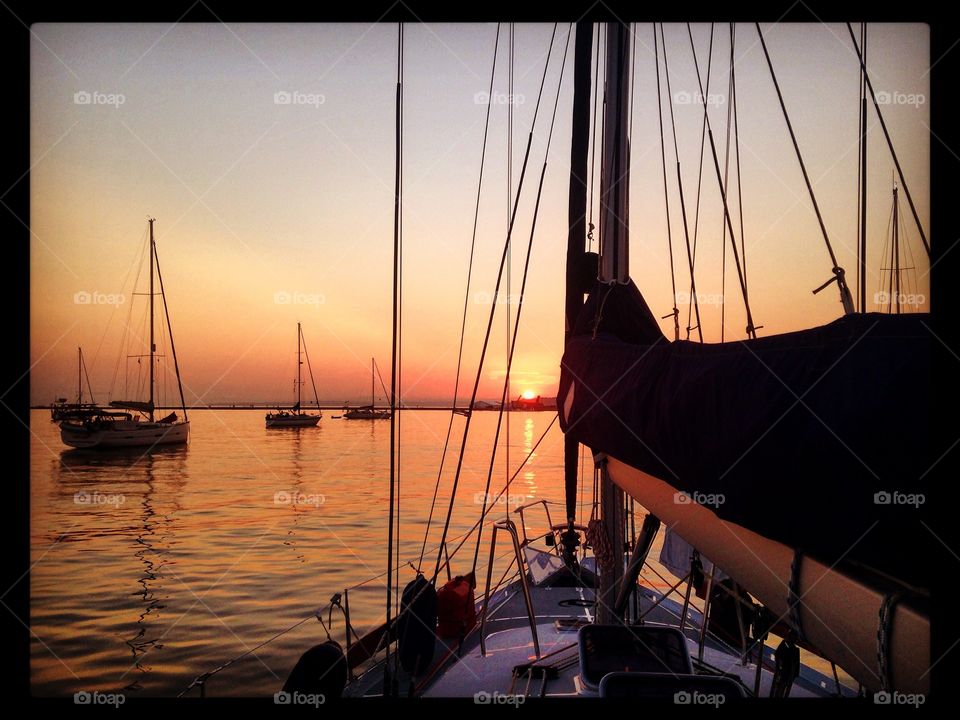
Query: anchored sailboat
pixel 295 417
pixel 369 412
pixel 103 429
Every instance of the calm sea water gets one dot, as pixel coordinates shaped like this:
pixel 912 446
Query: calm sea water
pixel 150 569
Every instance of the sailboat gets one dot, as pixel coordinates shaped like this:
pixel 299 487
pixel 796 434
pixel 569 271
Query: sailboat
pixel 62 409
pixel 368 412
pixel 670 427
pixel 134 423
pixel 295 417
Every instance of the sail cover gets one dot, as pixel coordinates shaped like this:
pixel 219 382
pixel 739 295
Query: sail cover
pixel 817 439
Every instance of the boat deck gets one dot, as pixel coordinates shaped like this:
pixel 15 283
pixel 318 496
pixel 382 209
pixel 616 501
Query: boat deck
pixel 493 677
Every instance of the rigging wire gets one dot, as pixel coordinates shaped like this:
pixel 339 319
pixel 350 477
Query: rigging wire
pixel 751 328
pixel 486 340
pixel 388 689
pixel 705 94
pixel 838 273
pixel 666 193
pixel 683 207
pixel 886 134
pixel 523 287
pixel 466 301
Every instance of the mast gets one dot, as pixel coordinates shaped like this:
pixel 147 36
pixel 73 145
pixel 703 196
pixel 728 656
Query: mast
pixel 79 375
pixel 153 346
pixel 862 283
pixel 614 269
pixel 895 265
pixel 577 212
pixel 372 378
pixel 299 363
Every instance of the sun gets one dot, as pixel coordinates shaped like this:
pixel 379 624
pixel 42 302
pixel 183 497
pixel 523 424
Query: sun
pixel 528 395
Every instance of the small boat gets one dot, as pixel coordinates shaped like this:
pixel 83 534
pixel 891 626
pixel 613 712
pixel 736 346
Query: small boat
pixel 62 410
pixel 103 429
pixel 368 412
pixel 295 417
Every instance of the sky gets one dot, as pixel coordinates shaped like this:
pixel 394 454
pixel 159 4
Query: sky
pixel 266 155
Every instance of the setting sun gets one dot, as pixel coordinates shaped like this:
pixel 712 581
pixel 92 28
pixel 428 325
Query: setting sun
pixel 528 395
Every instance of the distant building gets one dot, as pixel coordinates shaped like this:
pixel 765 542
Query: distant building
pixel 484 405
pixel 534 404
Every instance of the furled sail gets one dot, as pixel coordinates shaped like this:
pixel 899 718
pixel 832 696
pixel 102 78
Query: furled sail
pixel 817 439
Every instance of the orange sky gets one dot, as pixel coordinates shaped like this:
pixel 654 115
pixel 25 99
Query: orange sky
pixel 269 214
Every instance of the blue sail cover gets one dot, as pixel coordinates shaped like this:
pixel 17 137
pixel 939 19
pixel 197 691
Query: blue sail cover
pixel 817 439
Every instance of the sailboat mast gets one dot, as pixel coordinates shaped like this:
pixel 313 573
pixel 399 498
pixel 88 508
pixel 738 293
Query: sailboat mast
pixel 79 376
pixel 895 265
pixel 862 284
pixel 153 346
pixel 372 376
pixel 576 236
pixel 614 269
pixel 299 363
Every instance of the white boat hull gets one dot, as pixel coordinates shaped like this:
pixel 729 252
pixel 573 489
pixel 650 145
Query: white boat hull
pixel 292 421
pixel 124 433
pixel 839 613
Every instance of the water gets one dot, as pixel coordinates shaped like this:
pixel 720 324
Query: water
pixel 148 570
pixel 151 569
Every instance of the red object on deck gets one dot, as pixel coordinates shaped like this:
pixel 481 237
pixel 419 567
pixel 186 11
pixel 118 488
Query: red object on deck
pixel 456 608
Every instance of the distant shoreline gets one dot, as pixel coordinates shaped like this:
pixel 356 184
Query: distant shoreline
pixel 314 407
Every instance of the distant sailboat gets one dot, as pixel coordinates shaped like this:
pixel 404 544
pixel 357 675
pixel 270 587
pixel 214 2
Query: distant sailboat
pixel 294 417
pixel 368 412
pixel 62 410
pixel 103 429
